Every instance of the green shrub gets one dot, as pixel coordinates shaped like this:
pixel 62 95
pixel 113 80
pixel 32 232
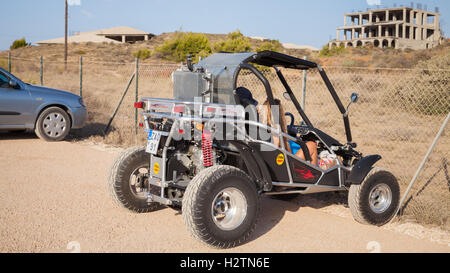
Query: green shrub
pixel 236 42
pixel 18 44
pixel 142 54
pixel 184 44
pixel 334 51
pixel 272 45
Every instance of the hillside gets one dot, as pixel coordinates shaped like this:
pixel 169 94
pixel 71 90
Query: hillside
pixel 109 52
pixel 123 53
pixel 385 58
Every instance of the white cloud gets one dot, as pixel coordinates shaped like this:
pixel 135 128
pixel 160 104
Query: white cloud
pixel 373 2
pixel 74 2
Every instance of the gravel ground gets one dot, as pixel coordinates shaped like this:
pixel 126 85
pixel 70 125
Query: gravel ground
pixel 53 198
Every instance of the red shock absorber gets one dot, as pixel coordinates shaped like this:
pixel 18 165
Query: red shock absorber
pixel 208 159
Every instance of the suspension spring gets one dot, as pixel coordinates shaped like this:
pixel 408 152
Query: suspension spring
pixel 208 159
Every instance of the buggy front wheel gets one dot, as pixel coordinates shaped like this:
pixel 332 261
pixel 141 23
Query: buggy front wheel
pixel 220 206
pixel 376 199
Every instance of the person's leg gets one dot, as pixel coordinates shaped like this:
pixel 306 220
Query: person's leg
pixel 312 147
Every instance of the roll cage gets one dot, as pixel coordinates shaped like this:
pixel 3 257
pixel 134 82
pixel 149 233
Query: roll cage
pixel 275 60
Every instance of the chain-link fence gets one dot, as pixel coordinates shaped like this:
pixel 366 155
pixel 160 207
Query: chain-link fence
pixel 397 116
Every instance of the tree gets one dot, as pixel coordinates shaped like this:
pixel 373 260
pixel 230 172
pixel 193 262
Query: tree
pixel 184 44
pixel 236 42
pixel 271 45
pixel 142 54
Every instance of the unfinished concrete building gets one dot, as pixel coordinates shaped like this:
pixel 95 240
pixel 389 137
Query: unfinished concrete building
pixel 400 28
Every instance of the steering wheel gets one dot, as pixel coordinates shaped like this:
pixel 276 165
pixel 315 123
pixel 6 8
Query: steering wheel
pixel 294 130
pixel 291 129
pixel 292 118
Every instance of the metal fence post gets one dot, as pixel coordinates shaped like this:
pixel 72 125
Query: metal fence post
pixel 136 97
pixel 9 62
pixel 81 76
pixel 41 70
pixel 416 175
pixel 118 105
pixel 304 87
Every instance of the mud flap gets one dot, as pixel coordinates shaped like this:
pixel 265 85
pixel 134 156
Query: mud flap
pixel 255 165
pixel 361 169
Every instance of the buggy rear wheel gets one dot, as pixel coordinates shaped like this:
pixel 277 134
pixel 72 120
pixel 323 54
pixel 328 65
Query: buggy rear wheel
pixel 128 180
pixel 220 206
pixel 376 199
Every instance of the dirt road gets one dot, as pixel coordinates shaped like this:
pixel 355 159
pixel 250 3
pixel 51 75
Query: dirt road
pixel 53 198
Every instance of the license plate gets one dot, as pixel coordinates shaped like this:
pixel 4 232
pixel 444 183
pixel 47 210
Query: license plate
pixel 153 141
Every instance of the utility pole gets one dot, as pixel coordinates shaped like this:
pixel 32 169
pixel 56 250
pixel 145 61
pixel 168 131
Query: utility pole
pixel 65 38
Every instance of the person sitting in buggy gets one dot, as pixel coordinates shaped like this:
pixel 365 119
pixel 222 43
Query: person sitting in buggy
pixel 263 113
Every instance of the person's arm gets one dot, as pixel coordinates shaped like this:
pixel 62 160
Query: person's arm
pixel 276 142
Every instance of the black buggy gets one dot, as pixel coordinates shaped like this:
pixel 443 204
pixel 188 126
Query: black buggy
pixel 202 156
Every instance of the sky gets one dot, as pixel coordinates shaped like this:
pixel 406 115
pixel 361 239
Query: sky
pixel 300 22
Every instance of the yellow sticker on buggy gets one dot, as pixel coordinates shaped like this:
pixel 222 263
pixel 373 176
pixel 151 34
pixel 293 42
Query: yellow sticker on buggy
pixel 280 159
pixel 156 168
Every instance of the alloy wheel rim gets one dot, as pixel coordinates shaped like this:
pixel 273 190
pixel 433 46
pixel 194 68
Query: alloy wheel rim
pixel 380 198
pixel 229 208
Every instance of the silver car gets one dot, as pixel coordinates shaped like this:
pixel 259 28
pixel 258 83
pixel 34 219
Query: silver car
pixel 49 112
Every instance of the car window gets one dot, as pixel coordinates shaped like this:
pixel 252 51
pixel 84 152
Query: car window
pixel 4 81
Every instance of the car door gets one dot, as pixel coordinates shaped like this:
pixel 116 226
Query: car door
pixel 15 104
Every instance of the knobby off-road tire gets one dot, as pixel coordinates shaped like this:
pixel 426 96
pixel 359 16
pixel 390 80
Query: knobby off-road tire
pixel 376 199
pixel 215 192
pixel 53 124
pixel 121 177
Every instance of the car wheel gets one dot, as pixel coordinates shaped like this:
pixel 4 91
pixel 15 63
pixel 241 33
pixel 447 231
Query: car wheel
pixel 376 199
pixel 220 206
pixel 53 124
